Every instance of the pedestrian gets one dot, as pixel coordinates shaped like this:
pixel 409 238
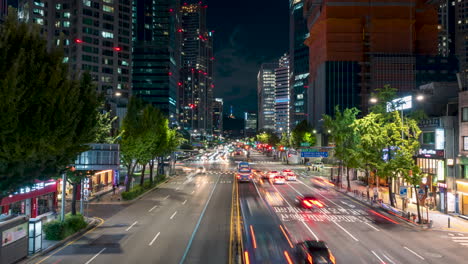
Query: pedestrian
pixel 113 189
pixel 376 193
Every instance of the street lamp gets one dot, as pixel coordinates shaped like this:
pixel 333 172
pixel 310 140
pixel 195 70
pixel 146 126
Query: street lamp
pixel 314 131
pixel 420 97
pixel 373 100
pixel 118 94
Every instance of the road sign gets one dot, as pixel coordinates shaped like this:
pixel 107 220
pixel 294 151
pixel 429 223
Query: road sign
pixel 305 144
pixel 314 154
pixel 403 191
pixel 421 193
pixel 309 150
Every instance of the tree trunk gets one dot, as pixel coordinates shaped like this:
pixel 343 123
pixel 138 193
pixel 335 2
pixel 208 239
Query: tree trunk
pixel 73 202
pixel 390 191
pixel 127 182
pixel 151 167
pixel 347 179
pixel 338 178
pixel 367 179
pixel 142 178
pixel 417 204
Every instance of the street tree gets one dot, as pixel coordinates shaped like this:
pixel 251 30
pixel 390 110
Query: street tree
pixel 345 137
pixel 48 115
pixel 302 133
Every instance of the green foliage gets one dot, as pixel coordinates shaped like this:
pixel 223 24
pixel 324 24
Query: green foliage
pixel 268 137
pixel 139 190
pixel 285 140
pixel 57 230
pixel 47 116
pixel 302 133
pixel 103 131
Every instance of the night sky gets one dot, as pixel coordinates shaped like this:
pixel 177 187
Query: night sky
pixel 247 33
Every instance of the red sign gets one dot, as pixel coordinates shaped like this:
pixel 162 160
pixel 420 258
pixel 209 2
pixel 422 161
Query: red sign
pixel 40 189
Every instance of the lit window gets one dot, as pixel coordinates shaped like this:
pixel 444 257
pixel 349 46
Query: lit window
pixel 65 59
pixel 87 2
pixel 66 23
pixel 57 24
pixel 66 14
pixel 109 9
pixel 108 1
pixel 106 34
pixel 38 3
pixel 39 21
pixel 119 70
pixel 58 6
pixel 124 63
pixel 465 114
pixel 465 143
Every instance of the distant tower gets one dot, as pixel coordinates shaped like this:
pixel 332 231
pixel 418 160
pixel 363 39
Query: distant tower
pixel 231 113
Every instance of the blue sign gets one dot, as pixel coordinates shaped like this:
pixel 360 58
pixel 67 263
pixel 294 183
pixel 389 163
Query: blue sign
pixel 314 154
pixel 403 191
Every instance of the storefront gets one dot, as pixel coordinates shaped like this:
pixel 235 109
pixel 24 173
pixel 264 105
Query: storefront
pixel 32 201
pixel 432 165
pixel 462 192
pixel 99 181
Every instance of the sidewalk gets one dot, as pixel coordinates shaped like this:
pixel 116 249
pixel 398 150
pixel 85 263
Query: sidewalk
pixel 440 221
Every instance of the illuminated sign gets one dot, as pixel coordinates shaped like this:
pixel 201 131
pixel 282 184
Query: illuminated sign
pixel 13 234
pixel 440 170
pixel 439 138
pixel 400 104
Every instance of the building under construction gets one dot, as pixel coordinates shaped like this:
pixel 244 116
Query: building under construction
pixel 357 46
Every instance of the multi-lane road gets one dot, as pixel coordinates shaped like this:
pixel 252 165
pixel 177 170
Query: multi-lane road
pixel 188 220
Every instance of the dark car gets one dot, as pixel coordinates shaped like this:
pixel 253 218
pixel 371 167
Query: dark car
pixel 314 252
pixel 309 202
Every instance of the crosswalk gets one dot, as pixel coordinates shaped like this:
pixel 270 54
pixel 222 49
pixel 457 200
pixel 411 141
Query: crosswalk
pixel 219 172
pixel 459 238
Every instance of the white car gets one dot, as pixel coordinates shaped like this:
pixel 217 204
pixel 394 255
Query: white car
pixel 279 180
pixel 290 176
pixel 272 174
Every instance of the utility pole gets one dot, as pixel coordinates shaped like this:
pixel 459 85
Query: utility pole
pixel 64 185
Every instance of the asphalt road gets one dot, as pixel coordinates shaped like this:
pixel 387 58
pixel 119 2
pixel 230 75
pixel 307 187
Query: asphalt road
pixel 186 220
pixel 355 232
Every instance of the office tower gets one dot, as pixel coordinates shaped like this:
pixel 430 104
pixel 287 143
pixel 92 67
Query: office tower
pixel 356 48
pixel 218 105
pixel 282 90
pixel 96 36
pixel 266 96
pixel 156 54
pixel 461 36
pixel 250 120
pixel 299 62
pixel 196 91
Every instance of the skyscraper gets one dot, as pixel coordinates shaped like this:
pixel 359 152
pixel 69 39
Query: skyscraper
pixel 250 128
pixel 266 96
pixel 218 105
pixel 299 62
pixel 282 90
pixel 196 91
pixel 461 44
pixel 354 53
pixel 156 54
pixel 96 38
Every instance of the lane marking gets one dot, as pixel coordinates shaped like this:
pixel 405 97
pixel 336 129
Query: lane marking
pixel 192 192
pixel 198 223
pixel 154 207
pixel 131 226
pixel 416 254
pixel 284 233
pixel 184 201
pixel 73 241
pixel 95 256
pixel 375 228
pixel 377 256
pixel 172 216
pixel 165 198
pixel 154 239
pixel 177 188
pixel 252 233
pixel 342 228
pixel 310 230
pixel 385 256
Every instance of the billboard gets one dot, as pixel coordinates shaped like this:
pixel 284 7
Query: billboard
pixel 402 103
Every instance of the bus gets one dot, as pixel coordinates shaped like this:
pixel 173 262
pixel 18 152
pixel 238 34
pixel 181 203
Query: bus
pixel 244 166
pixel 244 172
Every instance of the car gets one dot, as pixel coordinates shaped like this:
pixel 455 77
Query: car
pixel 272 174
pixel 201 169
pixel 279 180
pixel 290 176
pixel 286 171
pixel 314 252
pixel 309 202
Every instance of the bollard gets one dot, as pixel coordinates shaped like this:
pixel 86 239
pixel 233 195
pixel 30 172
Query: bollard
pixel 448 219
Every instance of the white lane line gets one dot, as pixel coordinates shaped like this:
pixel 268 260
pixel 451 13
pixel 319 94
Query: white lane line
pixel 154 239
pixel 310 230
pixel 131 226
pixel 152 208
pixel 95 256
pixel 172 216
pixel 192 192
pixel 322 195
pixel 184 202
pixel 385 256
pixel 346 231
pixel 165 198
pixel 375 228
pixel 464 244
pixel 177 188
pixel 451 234
pixel 416 254
pixel 377 256
pixel 460 239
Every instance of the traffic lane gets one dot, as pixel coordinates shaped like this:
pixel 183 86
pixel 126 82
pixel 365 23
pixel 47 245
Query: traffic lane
pixel 263 238
pixel 211 241
pixel 164 234
pixel 115 231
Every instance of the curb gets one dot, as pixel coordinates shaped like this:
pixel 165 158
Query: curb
pixel 391 214
pixel 61 243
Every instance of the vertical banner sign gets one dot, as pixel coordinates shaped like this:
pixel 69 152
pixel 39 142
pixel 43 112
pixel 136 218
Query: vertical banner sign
pixel 33 207
pixel 439 139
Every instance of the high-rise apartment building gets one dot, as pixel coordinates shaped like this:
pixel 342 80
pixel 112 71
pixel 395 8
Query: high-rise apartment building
pixel 266 96
pixel 299 62
pixel 156 54
pixel 461 39
pixel 282 98
pixel 218 105
pixel 96 36
pixel 196 86
pixel 356 47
